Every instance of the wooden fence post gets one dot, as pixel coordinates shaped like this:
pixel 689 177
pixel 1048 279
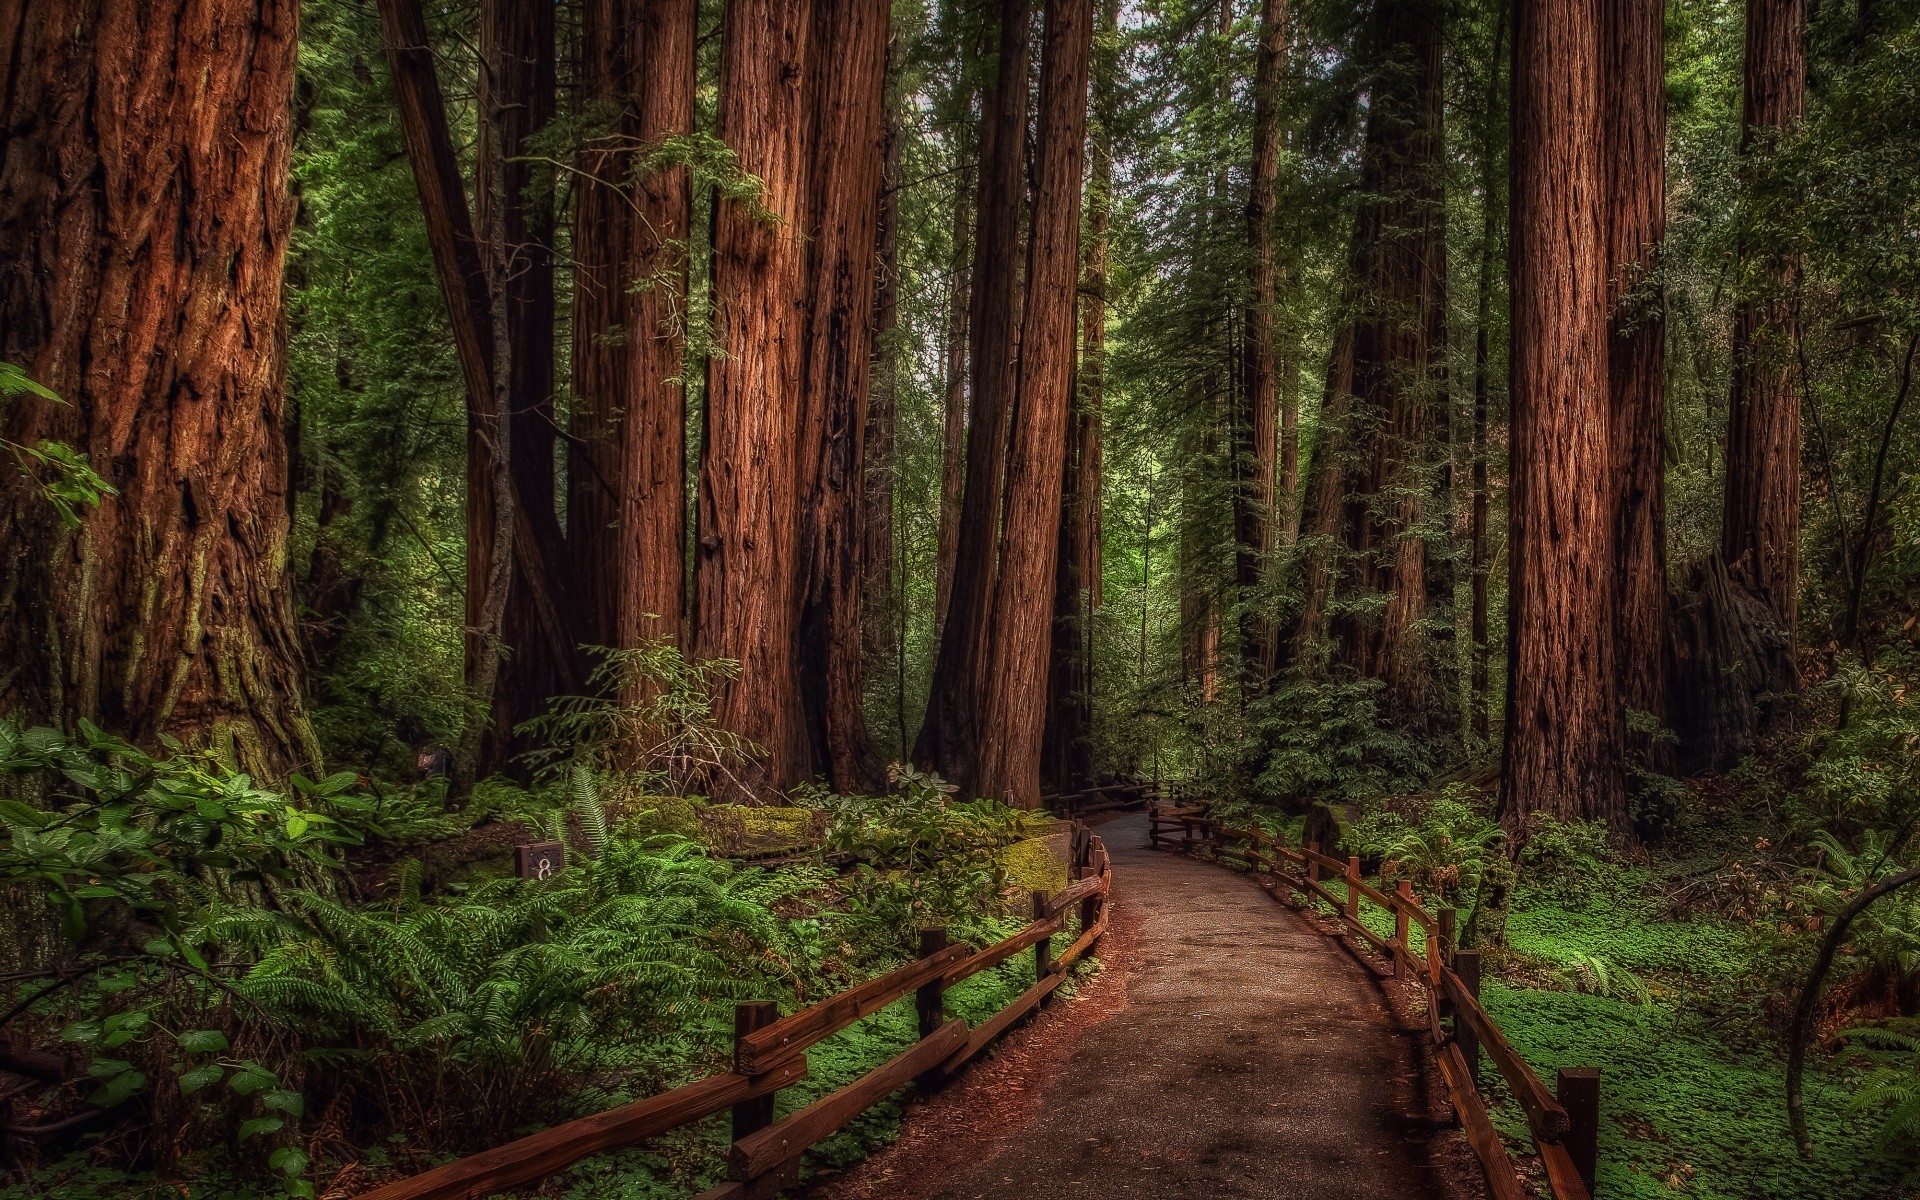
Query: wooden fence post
pixel 1090 907
pixel 1401 932
pixel 1578 1090
pixel 1353 887
pixel 930 1001
pixel 1440 953
pixel 1042 949
pixel 1466 964
pixel 751 1116
pixel 1313 863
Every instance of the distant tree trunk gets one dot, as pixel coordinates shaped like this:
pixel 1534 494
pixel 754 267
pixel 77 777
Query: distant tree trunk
pixel 1492 207
pixel 953 439
pixel 949 741
pixel 1634 100
pixel 1321 509
pixel 1563 753
pixel 1022 611
pixel 146 213
pixel 748 569
pixel 516 99
pixel 626 505
pixel 1398 365
pixel 1254 515
pixel 877 618
pixel 1760 525
pixel 460 265
pixel 1067 764
pixel 849 103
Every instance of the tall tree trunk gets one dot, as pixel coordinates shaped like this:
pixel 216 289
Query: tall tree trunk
pixel 953 437
pixel 626 504
pixel 1563 753
pixel 167 610
pixel 1634 79
pixel 1321 510
pixel 950 735
pixel 1016 695
pixel 849 104
pixel 461 267
pixel 747 580
pixel 1398 367
pixel 878 624
pixel 1760 524
pixel 1067 758
pixel 513 209
pixel 1492 210
pixel 1254 516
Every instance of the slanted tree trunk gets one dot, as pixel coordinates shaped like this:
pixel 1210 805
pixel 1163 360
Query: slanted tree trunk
pixel 1321 509
pixel 1563 714
pixel 1022 611
pixel 626 504
pixel 1760 522
pixel 1067 757
pixel 950 734
pixel 146 212
pixel 1634 78
pixel 848 129
pixel 748 569
pixel 1254 510
pixel 953 436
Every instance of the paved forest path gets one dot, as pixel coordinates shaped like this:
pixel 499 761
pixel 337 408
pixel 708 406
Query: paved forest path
pixel 1247 1056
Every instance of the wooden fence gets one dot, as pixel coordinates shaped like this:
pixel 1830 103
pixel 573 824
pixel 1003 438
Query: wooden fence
pixel 769 1053
pixel 1564 1126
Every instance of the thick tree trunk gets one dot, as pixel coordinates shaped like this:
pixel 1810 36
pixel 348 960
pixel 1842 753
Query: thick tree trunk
pixel 1067 758
pixel 748 570
pixel 953 437
pixel 626 504
pixel 1760 524
pixel 167 610
pixel 1016 694
pixel 1563 753
pixel 1397 365
pixel 1634 78
pixel 949 741
pixel 849 103
pixel 878 624
pixel 1254 515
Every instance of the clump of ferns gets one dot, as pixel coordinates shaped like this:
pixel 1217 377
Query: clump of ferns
pixel 1893 1085
pixel 1594 975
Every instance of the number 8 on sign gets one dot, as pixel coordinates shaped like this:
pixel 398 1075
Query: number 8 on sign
pixel 538 860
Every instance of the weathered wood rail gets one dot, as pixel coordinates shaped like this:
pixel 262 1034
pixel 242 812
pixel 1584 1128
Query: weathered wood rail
pixel 770 1053
pixel 1564 1125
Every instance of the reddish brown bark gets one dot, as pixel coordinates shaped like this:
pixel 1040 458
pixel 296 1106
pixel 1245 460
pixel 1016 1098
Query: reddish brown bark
pixel 1480 549
pixel 1634 79
pixel 1760 527
pixel 950 734
pixel 849 103
pixel 1016 695
pixel 1067 756
pixel 1254 507
pixel 878 615
pixel 626 507
pixel 747 568
pixel 167 611
pixel 1563 753
pixel 953 439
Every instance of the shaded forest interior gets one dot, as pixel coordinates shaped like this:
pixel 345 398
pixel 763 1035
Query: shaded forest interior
pixel 1476 434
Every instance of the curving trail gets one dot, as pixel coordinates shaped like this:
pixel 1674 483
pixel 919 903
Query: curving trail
pixel 1247 1055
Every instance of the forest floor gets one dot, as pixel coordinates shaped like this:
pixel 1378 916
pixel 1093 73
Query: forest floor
pixel 1228 1048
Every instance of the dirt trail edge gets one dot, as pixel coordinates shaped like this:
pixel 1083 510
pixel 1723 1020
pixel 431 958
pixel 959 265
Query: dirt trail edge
pixel 1229 1047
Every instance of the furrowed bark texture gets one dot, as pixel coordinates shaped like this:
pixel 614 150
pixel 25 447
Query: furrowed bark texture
pixel 878 611
pixel 747 568
pixel 1016 701
pixel 1760 524
pixel 1067 757
pixel 950 735
pixel 1563 717
pixel 626 507
pixel 953 437
pixel 145 209
pixel 1634 79
pixel 849 103
pixel 1254 515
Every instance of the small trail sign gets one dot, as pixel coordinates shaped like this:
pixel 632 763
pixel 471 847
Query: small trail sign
pixel 537 860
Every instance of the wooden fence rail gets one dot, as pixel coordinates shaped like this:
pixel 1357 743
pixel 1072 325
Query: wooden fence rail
pixel 770 1054
pixel 1563 1125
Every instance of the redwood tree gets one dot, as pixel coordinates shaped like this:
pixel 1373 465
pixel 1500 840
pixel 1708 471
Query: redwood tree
pixel 167 610
pixel 1016 693
pixel 949 740
pixel 1563 716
